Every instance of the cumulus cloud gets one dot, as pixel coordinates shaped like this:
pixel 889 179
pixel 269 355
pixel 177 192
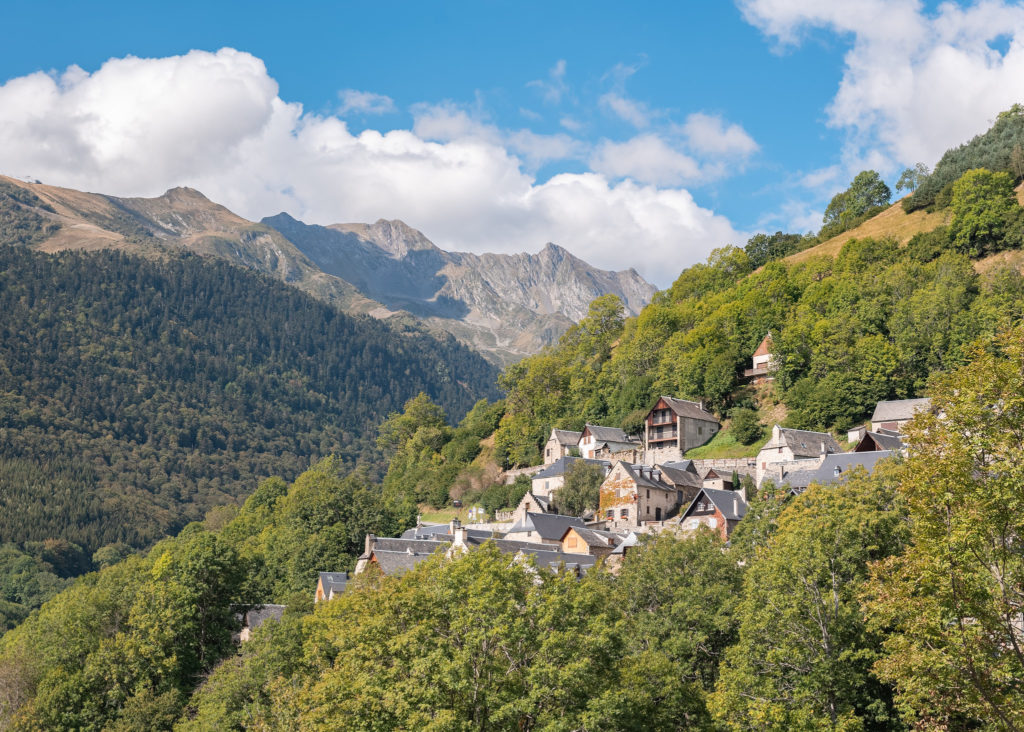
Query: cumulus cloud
pixel 646 158
pixel 712 135
pixel 915 83
pixel 215 121
pixel 364 102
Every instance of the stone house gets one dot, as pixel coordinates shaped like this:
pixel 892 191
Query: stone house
pixel 595 436
pixel 531 503
pixel 542 528
pixel 559 445
pixel 834 469
pixel 634 494
pixel 718 478
pixel 684 476
pixel 894 415
pixel 788 446
pixel 875 441
pixel 552 477
pixel 330 584
pixel 581 540
pixel 673 426
pixel 719 510
pixel 763 362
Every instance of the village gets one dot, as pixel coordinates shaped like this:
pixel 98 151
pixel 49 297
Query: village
pixel 648 487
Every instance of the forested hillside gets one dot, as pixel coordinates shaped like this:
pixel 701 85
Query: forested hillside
pixel 135 394
pixel 866 604
pixel 872 322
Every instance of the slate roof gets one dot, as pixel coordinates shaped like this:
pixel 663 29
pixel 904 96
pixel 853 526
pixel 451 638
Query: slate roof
pixel 427 546
pixel 880 441
pixel 720 473
pixel 567 438
pixel 680 477
pixel 595 537
pixel 549 526
pixel 690 410
pixel 845 462
pixel 639 475
pixel 260 614
pixel 730 503
pixel 554 559
pixel 392 563
pixel 900 409
pixel 803 443
pixel 630 540
pixel 616 446
pixel 606 434
pixel 557 469
pixel 439 532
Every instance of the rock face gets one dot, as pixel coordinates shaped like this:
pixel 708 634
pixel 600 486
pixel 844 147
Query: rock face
pixel 506 305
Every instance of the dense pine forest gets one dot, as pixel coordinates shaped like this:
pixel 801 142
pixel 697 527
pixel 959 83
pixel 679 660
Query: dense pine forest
pixel 136 394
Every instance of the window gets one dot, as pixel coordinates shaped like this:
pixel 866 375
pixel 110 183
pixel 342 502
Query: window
pixel 700 430
pixel 648 510
pixel 648 492
pixel 624 513
pixel 780 450
pixel 610 513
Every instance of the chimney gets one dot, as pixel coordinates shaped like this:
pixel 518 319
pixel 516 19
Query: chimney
pixel 419 520
pixel 371 539
pixel 459 537
pixel 453 525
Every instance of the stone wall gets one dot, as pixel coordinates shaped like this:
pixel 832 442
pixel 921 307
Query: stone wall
pixel 743 466
pixel 509 476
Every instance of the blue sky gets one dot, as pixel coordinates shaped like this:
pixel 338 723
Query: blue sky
pixel 639 136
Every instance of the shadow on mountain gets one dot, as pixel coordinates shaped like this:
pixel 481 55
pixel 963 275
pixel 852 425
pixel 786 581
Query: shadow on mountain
pixel 407 280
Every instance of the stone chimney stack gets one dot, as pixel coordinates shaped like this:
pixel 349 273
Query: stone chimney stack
pixel 371 539
pixel 460 537
pixel 453 525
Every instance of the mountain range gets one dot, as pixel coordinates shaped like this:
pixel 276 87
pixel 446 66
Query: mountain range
pixel 507 306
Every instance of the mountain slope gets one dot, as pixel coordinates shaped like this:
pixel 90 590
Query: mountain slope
pixel 507 305
pixel 137 393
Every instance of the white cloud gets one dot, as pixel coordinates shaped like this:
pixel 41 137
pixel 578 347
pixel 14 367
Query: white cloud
pixel 215 121
pixel 570 124
pixel 711 135
pixel 364 102
pixel 914 83
pixel 646 158
pixel 554 87
pixel 633 111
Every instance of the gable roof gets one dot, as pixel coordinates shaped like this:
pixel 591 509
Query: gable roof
pixel 567 438
pixel 549 526
pixel 687 409
pixel 729 503
pixel 258 615
pixel 836 468
pixel 874 441
pixel 644 476
pixel 630 540
pixel 803 443
pixel 594 537
pixel 765 347
pixel 438 532
pixel 722 473
pixel 679 477
pixel 392 563
pixel 615 446
pixel 333 582
pixel 558 468
pixel 900 409
pixel 605 434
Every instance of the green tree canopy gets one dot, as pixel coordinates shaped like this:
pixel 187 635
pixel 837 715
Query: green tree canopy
pixel 866 195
